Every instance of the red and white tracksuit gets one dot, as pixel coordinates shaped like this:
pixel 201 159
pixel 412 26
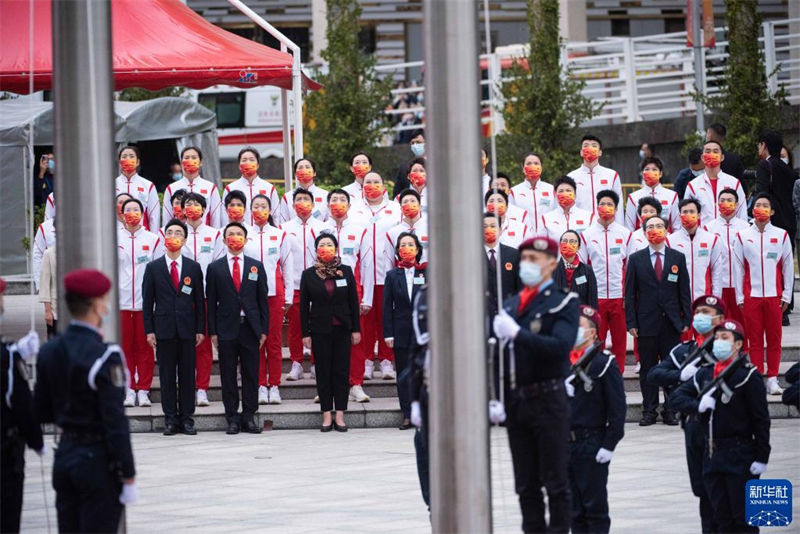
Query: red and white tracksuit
pixel 666 197
pixel 258 186
pixel 555 223
pixel 638 241
pixel 705 260
pixel 270 246
pixel 301 236
pixel 536 201
pixel 45 238
pixel 706 191
pixel 356 192
pixel 285 212
pixel 727 232
pixel 515 213
pixel 202 187
pixel 379 219
pixel 134 252
pixel 419 228
pixel 606 251
pixel 423 201
pixel 512 233
pixel 766 269
pixel 592 181
pixel 50 207
pixel 145 192
pixel 355 251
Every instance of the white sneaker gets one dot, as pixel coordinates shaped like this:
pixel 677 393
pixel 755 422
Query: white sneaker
pixel 144 398
pixel 637 368
pixel 263 395
pixel 773 388
pixel 387 371
pixel 201 398
pixel 130 399
pixel 296 373
pixel 369 368
pixel 274 395
pixel 313 372
pixel 357 394
pixel 316 399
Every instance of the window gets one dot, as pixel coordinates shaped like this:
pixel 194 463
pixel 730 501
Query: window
pixel 366 39
pixel 674 20
pixel 229 108
pixel 620 23
pixel 299 36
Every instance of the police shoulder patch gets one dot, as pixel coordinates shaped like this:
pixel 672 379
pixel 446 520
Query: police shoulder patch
pixel 22 368
pixel 117 374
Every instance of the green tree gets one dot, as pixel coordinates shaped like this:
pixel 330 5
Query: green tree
pixel 544 105
pixel 346 115
pixel 135 94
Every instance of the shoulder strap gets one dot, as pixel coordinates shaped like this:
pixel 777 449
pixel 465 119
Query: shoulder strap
pixel 98 364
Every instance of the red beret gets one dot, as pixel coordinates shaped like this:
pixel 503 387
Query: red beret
pixel 540 243
pixel 710 301
pixel 731 325
pixel 2 286
pixel 87 283
pixel 591 314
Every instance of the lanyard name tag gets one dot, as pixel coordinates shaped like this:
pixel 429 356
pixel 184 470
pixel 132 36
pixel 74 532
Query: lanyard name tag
pixel 141 259
pixel 545 202
pixel 348 251
pixel 613 250
pixel 419 280
pixel 316 214
pixel 273 250
pixel 187 290
pixel 772 255
pixel 580 280
pixel 672 278
pixel 702 252
pixel 341 283
pixel 252 276
pixel 205 250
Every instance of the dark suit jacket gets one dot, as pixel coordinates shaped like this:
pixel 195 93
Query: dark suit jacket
pixel 225 304
pixel 397 307
pixel 777 178
pixel 509 278
pixel 587 290
pixel 171 314
pixel 317 309
pixel 732 164
pixel 648 302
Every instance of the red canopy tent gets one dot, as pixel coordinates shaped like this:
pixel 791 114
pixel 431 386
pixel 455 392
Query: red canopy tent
pixel 156 44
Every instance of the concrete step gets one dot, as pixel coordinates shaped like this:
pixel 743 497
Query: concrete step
pixel 631 378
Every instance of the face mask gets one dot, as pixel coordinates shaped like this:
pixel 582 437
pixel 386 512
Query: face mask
pixel 177 212
pixel 711 159
pixel 302 208
pixel 651 178
pixel 338 209
pixel 606 212
pixel 490 235
pixel 580 337
pixel 530 273
pixel 326 253
pixel 689 220
pixel 261 216
pixel 532 172
pixel 51 165
pixel 193 212
pixel 641 154
pixel 235 213
pixel 176 176
pixel 785 160
pixel 373 190
pixel 702 323
pixel 361 169
pixel 248 168
pixel 722 349
pixel 417 179
pixel 128 165
pixel 727 208
pixel 498 208
pixel 590 153
pixel 696 173
pixel 408 254
pixel 418 149
pixel 761 214
pixel 304 176
pixel 566 199
pixel 656 236
pixel 484 162
pixel 173 244
pixel 568 250
pixel 133 218
pixel 410 210
pixel 235 242
pixel 190 166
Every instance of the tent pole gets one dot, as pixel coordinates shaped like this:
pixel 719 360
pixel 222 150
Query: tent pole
pixel 287 141
pixel 83 115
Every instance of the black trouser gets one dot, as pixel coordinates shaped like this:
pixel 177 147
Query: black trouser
pixel 87 492
pixel 421 448
pixel 653 349
pixel 176 354
pixel 332 365
pixel 538 431
pixel 13 477
pixel 588 483
pixel 725 475
pixel 52 329
pixel 695 441
pixel 403 379
pixel 240 351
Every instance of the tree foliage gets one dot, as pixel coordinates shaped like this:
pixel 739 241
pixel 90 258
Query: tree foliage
pixel 346 116
pixel 135 94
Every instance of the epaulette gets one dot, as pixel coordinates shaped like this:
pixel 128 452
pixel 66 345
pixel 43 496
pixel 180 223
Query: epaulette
pixel 750 368
pixel 119 373
pixel 567 297
pixel 610 358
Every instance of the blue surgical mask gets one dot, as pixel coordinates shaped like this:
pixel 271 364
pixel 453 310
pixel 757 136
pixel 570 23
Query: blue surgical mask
pixel 696 173
pixel 641 154
pixel 722 349
pixel 702 323
pixel 418 149
pixel 176 176
pixel 530 273
pixel 580 337
pixel 51 165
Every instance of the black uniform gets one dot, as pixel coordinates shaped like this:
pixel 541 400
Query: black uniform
pixel 418 383
pixel 18 429
pixel 598 421
pixel 736 435
pixel 667 374
pixel 791 395
pixel 80 387
pixel 537 405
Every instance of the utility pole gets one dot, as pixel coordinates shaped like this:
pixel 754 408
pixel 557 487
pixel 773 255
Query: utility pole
pixel 699 67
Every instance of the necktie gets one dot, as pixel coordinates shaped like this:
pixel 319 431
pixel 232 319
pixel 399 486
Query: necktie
pixel 237 274
pixel 658 267
pixel 492 259
pixel 173 272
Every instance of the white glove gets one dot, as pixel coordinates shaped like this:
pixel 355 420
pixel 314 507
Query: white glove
pixel 757 468
pixel 603 456
pixel 27 346
pixel 41 452
pixel 129 495
pixel 497 412
pixel 708 402
pixel 416 414
pixel 688 372
pixel 569 387
pixel 504 326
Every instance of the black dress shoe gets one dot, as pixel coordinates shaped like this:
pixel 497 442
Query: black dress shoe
pixel 669 419
pixel 252 428
pixel 326 428
pixel 405 425
pixel 339 428
pixel 233 428
pixel 647 419
pixel 189 430
pixel 170 430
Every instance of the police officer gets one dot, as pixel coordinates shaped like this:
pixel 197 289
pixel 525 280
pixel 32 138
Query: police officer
pixel 598 423
pixel 80 387
pixel 539 324
pixel 731 401
pixel 418 365
pixel 708 311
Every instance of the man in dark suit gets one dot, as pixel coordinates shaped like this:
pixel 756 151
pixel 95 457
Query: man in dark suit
pixel 498 256
pixel 775 177
pixel 731 162
pixel 238 319
pixel 657 309
pixel 173 312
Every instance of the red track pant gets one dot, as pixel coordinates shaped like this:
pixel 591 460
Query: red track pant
pixel 732 311
pixel 612 317
pixel 138 354
pixel 763 320
pixel 204 358
pixel 372 330
pixel 270 356
pixel 295 332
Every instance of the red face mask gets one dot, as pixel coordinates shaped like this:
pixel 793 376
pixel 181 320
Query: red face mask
pixel 128 165
pixel 190 165
pixel 261 216
pixel 410 210
pixel 133 218
pixel 326 253
pixel 248 168
pixel 712 160
pixel 532 172
pixel 173 244
pixel 304 176
pixel 177 212
pixel 761 214
pixel 361 170
pixel 193 212
pixel 590 153
pixel 568 250
pixel 490 235
pixel 689 220
pixel 235 213
pixel 408 254
pixel 498 208
pixel 606 212
pixel 302 208
pixel 566 199
pixel 727 208
pixel 235 242
pixel 373 190
pixel 417 179
pixel 338 209
pixel 656 236
pixel 651 178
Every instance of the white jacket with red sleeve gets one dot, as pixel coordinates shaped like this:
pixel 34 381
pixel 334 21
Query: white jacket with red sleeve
pixel 705 260
pixel 765 264
pixel 145 192
pixel 606 250
pixel 592 181
pixel 727 232
pixel 134 252
pixel 271 247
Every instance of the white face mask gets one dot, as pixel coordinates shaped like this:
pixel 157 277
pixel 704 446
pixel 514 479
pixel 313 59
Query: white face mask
pixel 696 173
pixel 785 160
pixel 530 273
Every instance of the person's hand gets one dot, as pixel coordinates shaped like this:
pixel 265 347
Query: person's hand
pixel 389 342
pixel 41 452
pixel 27 346
pixel 198 338
pixel 497 412
pixel 42 166
pixel 758 468
pixel 48 316
pixel 355 338
pixel 130 493
pixel 634 332
pixel 708 402
pixel 151 340
pixel 214 340
pixel 603 456
pixel 286 307
pixel 688 372
pixel 261 340
pixel 568 386
pixel 504 326
pixel 365 308
pixel 307 342
pixel 416 414
pixel 784 305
